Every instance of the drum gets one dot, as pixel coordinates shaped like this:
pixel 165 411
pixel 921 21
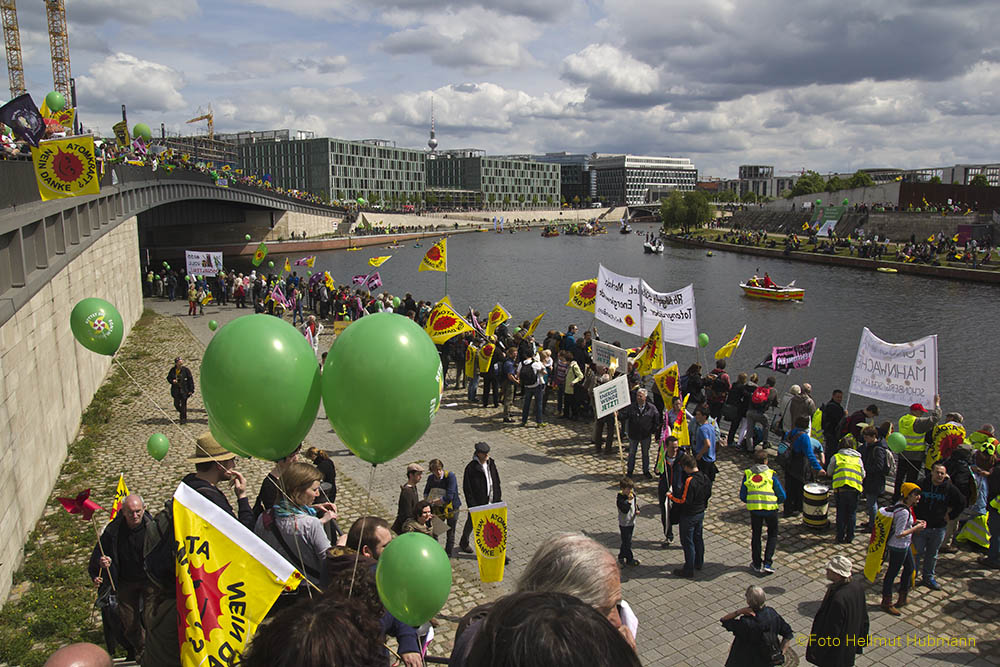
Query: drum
pixel 816 505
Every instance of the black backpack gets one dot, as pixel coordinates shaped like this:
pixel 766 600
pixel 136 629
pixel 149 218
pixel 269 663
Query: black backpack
pixel 527 376
pixel 720 386
pixel 160 547
pixel 769 646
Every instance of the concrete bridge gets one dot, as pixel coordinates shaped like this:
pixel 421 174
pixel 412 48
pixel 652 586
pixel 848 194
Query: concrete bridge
pixel 52 254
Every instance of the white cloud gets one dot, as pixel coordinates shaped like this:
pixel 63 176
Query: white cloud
pixel 611 74
pixel 128 11
pixel 122 78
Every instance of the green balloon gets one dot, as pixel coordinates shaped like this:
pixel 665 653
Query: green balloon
pixel 213 325
pixel 165 264
pixel 703 340
pixel 247 237
pixel 309 273
pixel 847 202
pixel 97 325
pixel 142 130
pixel 157 277
pixel 157 446
pixel 266 423
pixel 224 440
pixel 270 264
pixel 413 578
pixel 396 301
pixel 896 442
pixel 55 101
pixel 379 361
pixel 819 202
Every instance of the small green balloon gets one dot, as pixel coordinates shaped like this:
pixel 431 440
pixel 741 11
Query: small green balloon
pixel 896 442
pixel 165 264
pixel 819 202
pixel 157 277
pixel 413 578
pixel 213 325
pixel 396 301
pixel 55 101
pixel 270 265
pixel 97 325
pixel 157 446
pixel 142 131
pixel 247 237
pixel 846 202
pixel 380 360
pixel 309 273
pixel 243 418
pixel 703 340
pixel 168 267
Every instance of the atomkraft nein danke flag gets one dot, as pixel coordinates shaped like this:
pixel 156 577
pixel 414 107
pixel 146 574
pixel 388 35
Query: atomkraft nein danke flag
pixel 227 580
pixel 582 295
pixel 306 261
pixel 259 255
pixel 497 316
pixel 121 493
pixel 727 350
pixel 379 261
pixel 900 373
pixel 534 324
pixel 436 257
pixel 678 429
pixel 484 355
pixel 444 323
pixel 668 382
pixel 471 351
pixel 489 530
pixel 876 545
pixel 66 168
pixel 288 265
pixel 650 356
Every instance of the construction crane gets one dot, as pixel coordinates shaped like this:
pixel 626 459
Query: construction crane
pixel 59 46
pixel 12 44
pixel 211 121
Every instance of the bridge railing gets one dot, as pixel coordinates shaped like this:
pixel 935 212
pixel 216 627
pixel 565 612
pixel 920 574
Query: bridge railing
pixel 38 239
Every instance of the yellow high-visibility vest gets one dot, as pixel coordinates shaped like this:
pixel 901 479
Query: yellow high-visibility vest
pixel 914 440
pixel 816 428
pixel 847 471
pixel 760 490
pixel 975 530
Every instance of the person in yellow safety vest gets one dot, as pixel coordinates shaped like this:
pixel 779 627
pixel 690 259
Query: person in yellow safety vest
pixel 945 439
pixel 848 473
pixel 816 427
pixel 914 426
pixel 762 492
pixel 984 440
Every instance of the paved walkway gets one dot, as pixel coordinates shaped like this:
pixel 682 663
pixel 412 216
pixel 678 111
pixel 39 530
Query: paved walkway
pixel 553 482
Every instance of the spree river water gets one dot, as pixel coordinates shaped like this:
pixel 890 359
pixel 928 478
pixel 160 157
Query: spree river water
pixel 528 274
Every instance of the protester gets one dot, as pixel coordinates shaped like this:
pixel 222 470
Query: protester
pixel 693 500
pixel 510 382
pixel 181 387
pixel 762 492
pixel 751 626
pixel 833 413
pixel 904 525
pixel 481 485
pixel 877 463
pixel 848 473
pixel 441 490
pixel 572 387
pixel 408 496
pixel 802 458
pixel 269 487
pixel 671 476
pixel 940 502
pixel 915 426
pixel 325 465
pixel 719 386
pixel 703 444
pixel 421 521
pixel 531 377
pixel 628 509
pixel 642 422
pixel 840 629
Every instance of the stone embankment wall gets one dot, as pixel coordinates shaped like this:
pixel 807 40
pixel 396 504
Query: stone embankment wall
pixel 47 379
pixel 286 222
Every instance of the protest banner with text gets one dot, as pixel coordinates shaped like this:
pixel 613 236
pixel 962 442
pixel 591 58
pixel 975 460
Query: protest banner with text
pixel 618 301
pixel 675 310
pixel 900 373
pixel 202 263
pixel 612 396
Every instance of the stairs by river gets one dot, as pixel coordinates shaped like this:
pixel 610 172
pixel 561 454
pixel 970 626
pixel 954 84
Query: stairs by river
pixel 770 221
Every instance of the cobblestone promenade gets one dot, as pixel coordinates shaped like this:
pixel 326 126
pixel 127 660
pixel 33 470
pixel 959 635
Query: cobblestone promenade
pixel 553 482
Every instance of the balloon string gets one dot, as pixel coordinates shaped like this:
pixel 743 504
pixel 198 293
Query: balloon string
pixel 361 533
pixel 152 402
pixel 298 547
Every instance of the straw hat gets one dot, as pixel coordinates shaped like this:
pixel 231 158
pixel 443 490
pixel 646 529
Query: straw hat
pixel 208 449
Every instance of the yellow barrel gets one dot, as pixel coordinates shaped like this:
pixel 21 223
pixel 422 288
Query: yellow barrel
pixel 816 505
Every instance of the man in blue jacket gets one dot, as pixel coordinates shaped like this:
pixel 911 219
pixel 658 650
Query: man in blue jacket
pixel 795 469
pixel 761 490
pixel 444 506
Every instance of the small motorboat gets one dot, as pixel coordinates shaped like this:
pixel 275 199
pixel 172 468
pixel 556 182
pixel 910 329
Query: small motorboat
pixel 626 229
pixel 654 248
pixel 787 293
pixel 708 254
pixel 353 249
pixel 886 269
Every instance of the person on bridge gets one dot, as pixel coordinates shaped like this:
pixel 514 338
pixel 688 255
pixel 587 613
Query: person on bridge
pixel 181 387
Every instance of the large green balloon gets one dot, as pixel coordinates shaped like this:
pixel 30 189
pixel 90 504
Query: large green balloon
pixel 97 325
pixel 381 386
pixel 55 101
pixel 413 577
pixel 896 442
pixel 260 384
pixel 224 440
pixel 157 446
pixel 142 130
pixel 703 340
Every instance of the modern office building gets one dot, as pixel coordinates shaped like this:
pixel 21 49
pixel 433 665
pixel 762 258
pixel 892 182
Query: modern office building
pixel 759 180
pixel 505 182
pixel 621 180
pixel 337 169
pixel 576 183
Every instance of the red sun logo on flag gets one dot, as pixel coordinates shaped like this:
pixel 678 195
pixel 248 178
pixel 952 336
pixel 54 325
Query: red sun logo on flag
pixel 629 321
pixel 589 290
pixel 443 322
pixel 492 535
pixel 67 167
pixel 434 254
pixel 495 315
pixel 208 597
pixel 757 479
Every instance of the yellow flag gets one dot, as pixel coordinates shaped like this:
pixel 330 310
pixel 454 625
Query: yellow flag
pixel 436 258
pixel 121 493
pixel 44 109
pixel 876 546
pixel 444 323
pixel 65 117
pixel 534 324
pixel 470 360
pixel 679 429
pixel 485 354
pixel 66 168
pixel 668 382
pixel 650 355
pixel 447 300
pixel 288 265
pixel 489 527
pixel 497 317
pixel 328 279
pixel 930 239
pixel 379 261
pixel 227 580
pixel 955 238
pixel 206 299
pixel 583 294
pixel 727 350
pixel 805 226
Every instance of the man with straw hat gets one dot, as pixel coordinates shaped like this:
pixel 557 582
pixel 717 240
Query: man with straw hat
pixel 840 628
pixel 214 464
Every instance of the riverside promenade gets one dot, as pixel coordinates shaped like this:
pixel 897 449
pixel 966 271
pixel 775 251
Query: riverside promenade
pixel 553 482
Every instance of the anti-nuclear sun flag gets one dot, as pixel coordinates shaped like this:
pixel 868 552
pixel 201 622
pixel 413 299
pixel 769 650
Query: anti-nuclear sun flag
pixel 227 580
pixel 121 493
pixel 668 382
pixel 66 168
pixel 583 294
pixel 498 316
pixel 650 356
pixel 436 258
pixel 444 323
pixel 379 261
pixel 259 254
pixel 485 354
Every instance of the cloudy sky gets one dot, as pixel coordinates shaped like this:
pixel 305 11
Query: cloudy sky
pixel 831 86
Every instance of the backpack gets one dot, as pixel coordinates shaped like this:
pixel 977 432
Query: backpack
pixel 769 647
pixel 720 386
pixel 759 397
pixel 528 376
pixel 159 548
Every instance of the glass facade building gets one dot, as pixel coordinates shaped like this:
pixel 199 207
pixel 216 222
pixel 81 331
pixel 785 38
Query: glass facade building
pixel 625 180
pixel 505 182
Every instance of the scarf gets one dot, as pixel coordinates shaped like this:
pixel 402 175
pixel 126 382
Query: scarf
pixel 286 508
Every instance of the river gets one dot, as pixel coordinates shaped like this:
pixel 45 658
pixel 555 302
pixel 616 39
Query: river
pixel 528 274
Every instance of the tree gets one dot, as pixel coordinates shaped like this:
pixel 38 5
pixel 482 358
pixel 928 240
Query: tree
pixel 935 180
pixel 432 198
pixel 809 183
pixel 835 183
pixel 979 181
pixel 749 197
pixel 493 198
pixel 548 200
pixel 673 211
pixel 685 210
pixel 860 179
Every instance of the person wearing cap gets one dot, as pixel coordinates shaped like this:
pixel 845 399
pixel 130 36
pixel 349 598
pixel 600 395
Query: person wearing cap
pixel 915 425
pixel 481 486
pixel 181 387
pixel 840 628
pixel 904 525
pixel 408 497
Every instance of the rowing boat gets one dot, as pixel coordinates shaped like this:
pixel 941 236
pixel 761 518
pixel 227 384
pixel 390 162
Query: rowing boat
pixel 786 293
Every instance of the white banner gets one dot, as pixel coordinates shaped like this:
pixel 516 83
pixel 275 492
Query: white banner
pixel 903 373
pixel 203 263
pixel 612 396
pixel 617 301
pixel 603 353
pixel 675 310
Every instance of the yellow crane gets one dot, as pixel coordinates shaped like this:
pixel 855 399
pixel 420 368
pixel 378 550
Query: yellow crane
pixel 211 121
pixel 59 47
pixel 12 44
